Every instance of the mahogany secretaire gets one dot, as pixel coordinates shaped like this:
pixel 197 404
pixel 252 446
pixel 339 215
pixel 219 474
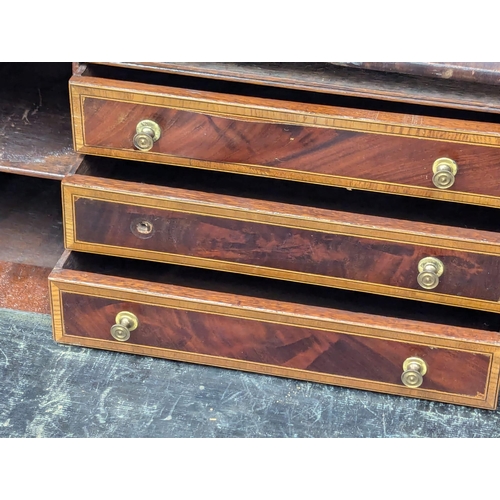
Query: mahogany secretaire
pixel 327 222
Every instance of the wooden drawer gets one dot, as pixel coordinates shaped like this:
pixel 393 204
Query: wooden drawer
pixel 254 325
pixel 296 242
pixel 315 143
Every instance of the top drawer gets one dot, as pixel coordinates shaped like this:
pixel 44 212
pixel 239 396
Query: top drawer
pixel 320 144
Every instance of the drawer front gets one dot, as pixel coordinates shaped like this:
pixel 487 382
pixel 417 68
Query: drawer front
pixel 269 339
pixel 317 144
pixel 313 248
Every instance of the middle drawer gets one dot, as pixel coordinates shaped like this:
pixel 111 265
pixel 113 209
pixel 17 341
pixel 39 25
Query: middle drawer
pixel 164 219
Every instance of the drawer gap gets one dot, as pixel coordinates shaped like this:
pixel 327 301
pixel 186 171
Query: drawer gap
pixel 295 293
pixel 433 212
pixel 280 94
pixel 464 90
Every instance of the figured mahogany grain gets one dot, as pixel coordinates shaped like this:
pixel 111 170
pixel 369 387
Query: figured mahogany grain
pixel 290 346
pixel 160 287
pixel 110 124
pixel 223 240
pixel 326 308
pixel 428 222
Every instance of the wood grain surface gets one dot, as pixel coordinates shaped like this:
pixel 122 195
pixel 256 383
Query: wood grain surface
pixel 298 243
pixel 221 240
pixel 332 78
pixel 479 72
pixel 353 148
pixel 226 323
pixel 288 346
pixel 35 122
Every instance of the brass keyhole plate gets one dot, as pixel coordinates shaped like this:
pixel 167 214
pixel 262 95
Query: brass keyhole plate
pixel 142 228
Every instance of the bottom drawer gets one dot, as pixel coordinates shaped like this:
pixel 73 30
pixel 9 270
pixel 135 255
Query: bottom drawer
pixel 288 330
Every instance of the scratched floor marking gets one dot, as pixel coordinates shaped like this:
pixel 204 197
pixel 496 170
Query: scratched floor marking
pixel 50 390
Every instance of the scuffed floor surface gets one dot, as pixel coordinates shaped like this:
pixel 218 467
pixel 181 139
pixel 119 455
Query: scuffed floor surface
pixel 51 390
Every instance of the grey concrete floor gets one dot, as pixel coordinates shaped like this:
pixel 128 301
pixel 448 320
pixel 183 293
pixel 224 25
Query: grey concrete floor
pixel 51 390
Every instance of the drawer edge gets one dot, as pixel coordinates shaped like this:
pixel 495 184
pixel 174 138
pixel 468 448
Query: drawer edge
pixel 255 109
pixel 275 213
pixel 269 213
pixel 67 282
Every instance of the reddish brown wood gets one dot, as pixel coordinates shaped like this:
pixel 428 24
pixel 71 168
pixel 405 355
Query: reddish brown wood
pixel 375 157
pixel 272 246
pixel 267 327
pixel 24 287
pixel 134 184
pixel 354 356
pixel 121 275
pixel 78 68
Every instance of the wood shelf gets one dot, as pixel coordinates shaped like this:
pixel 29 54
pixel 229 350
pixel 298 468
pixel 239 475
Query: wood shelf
pixel 330 78
pixel 35 122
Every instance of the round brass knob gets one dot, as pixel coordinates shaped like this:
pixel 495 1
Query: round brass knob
pixel 430 269
pixel 444 170
pixel 414 370
pixel 144 142
pixel 125 323
pixel 147 133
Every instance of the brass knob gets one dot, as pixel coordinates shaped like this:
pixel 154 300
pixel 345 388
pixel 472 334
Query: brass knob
pixel 147 133
pixel 125 323
pixel 414 370
pixel 444 170
pixel 430 269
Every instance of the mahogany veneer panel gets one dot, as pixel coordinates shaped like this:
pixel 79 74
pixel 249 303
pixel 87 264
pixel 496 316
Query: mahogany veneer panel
pixel 275 344
pixel 311 143
pixel 272 337
pixel 306 244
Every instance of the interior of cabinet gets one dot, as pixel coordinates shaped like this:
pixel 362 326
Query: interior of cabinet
pixel 280 91
pixel 345 79
pixel 36 151
pixel 31 240
pixel 35 121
